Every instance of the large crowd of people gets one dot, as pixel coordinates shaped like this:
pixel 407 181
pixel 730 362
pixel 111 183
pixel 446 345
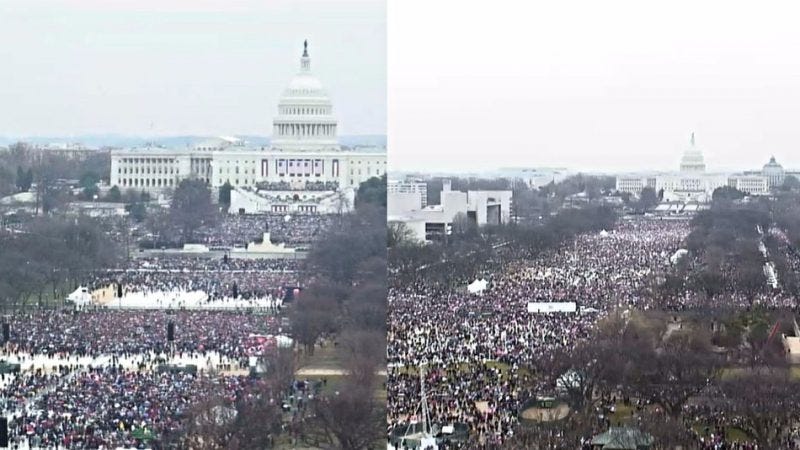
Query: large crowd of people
pixel 240 230
pixel 172 263
pixel 107 407
pixel 479 353
pixel 294 230
pixel 216 285
pixel 769 295
pixel 127 333
pixel 217 278
pixel 89 377
pixel 476 349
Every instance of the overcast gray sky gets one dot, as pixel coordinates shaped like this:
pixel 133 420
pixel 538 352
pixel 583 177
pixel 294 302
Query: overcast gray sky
pixel 186 66
pixel 592 84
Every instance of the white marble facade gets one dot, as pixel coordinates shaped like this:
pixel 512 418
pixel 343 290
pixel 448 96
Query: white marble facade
pixel 304 148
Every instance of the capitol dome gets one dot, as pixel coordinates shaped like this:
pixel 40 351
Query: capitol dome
pixel 773 165
pixel 692 160
pixel 774 172
pixel 304 85
pixel 305 118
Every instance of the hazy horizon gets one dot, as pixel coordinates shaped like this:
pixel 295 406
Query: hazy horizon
pixel 177 67
pixel 615 85
pixel 498 172
pixel 170 140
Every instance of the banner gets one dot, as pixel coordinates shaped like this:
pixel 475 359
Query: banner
pixel 551 307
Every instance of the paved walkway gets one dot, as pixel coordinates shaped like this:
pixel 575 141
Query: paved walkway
pixel 327 372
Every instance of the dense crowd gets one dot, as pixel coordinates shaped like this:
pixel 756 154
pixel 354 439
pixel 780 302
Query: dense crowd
pixel 107 407
pixel 239 230
pixel 732 296
pixel 789 255
pixel 217 277
pixel 216 285
pixel 127 333
pixel 476 348
pixel 294 230
pixel 172 263
pixel 717 422
pixel 89 375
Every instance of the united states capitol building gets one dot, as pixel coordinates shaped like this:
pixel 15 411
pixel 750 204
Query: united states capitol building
pixel 692 183
pixel 303 170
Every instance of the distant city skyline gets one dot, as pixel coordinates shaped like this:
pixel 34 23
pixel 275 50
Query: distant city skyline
pixel 489 170
pixel 596 86
pixel 178 67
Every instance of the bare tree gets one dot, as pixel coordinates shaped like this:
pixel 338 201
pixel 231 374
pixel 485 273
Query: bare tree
pixel 253 421
pixel 312 316
pixel 191 207
pixel 363 353
pixel 566 434
pixel 763 404
pixel 351 418
pixel 399 235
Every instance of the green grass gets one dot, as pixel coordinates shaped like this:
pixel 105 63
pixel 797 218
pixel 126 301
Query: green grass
pixel 732 434
pixel 621 415
pixel 503 367
pixel 728 373
pixel 328 358
pixel 323 357
pixel 731 372
pixel 336 383
pixel 407 370
pixel 333 384
pixel 736 435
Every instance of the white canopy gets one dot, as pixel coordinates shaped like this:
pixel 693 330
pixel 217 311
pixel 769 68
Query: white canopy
pixel 477 286
pixel 428 442
pixel 81 297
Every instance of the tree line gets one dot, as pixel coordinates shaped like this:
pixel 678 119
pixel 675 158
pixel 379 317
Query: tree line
pixel 470 252
pixel 49 258
pixel 345 301
pixel 22 166
pixel 676 375
pixel 724 252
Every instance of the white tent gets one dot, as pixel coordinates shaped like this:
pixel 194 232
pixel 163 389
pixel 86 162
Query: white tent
pixel 428 442
pixel 477 286
pixel 81 297
pixel 604 233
